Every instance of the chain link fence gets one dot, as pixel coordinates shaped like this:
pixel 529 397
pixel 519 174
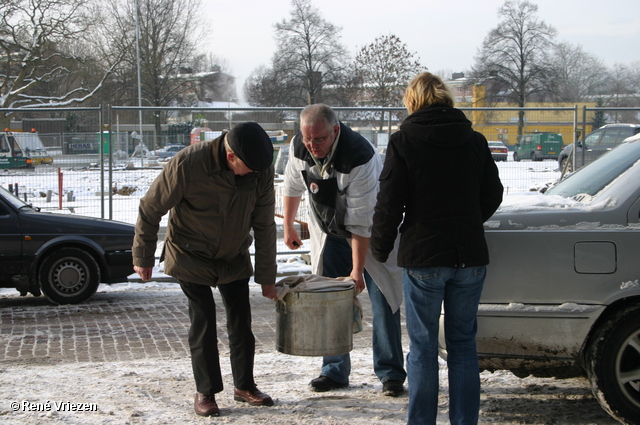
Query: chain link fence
pixel 104 159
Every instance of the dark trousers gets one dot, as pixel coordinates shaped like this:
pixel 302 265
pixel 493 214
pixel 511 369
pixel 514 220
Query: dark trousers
pixel 336 258
pixel 203 335
pixel 388 362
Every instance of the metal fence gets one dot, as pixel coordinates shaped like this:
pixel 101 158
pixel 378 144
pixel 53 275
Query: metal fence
pixel 107 163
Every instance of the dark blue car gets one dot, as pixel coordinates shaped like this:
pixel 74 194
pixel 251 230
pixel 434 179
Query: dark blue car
pixel 64 256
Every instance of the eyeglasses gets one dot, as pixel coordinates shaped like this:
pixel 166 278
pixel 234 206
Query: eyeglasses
pixel 317 141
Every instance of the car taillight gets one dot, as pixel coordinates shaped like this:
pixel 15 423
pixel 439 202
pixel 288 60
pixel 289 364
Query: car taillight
pixel 539 147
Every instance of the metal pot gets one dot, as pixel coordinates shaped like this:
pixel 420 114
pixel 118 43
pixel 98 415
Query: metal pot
pixel 318 323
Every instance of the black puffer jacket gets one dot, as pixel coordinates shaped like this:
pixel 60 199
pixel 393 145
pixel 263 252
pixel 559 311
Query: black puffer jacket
pixel 440 182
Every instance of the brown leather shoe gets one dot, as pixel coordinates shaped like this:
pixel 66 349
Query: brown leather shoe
pixel 205 405
pixel 253 397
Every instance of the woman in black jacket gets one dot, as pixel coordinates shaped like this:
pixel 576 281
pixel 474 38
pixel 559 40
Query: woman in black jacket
pixel 439 184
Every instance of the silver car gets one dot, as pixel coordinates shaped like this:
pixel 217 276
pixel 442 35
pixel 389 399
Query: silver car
pixel 562 294
pixel 596 144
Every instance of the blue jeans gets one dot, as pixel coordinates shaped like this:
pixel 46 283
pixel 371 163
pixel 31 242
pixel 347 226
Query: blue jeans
pixel 388 361
pixel 425 290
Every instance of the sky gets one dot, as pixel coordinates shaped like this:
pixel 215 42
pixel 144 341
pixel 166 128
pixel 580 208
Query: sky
pixel 444 35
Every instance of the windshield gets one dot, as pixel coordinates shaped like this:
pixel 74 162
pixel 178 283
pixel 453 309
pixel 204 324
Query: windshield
pixel 11 198
pixel 591 179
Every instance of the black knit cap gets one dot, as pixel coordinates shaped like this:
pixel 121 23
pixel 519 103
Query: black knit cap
pixel 252 145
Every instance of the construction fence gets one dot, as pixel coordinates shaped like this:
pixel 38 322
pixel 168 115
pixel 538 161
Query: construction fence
pixel 103 159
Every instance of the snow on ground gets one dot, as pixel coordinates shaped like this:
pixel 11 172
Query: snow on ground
pixel 160 391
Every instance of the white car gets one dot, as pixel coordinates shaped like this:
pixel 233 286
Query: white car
pixel 498 150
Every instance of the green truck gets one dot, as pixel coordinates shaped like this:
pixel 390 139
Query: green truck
pixel 538 146
pixel 22 150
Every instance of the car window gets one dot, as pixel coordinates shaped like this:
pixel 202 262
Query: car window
pixel 613 136
pixel 592 139
pixel 591 179
pixel 4 145
pixel 11 198
pixel 608 138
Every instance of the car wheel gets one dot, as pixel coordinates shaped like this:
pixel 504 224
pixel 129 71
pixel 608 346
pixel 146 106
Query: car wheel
pixel 533 156
pixel 516 157
pixel 613 365
pixel 69 276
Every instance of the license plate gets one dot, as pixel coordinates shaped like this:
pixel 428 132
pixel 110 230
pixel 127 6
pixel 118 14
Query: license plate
pixel 552 152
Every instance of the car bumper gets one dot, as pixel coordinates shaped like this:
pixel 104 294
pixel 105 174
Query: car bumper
pixel 119 266
pixel 533 338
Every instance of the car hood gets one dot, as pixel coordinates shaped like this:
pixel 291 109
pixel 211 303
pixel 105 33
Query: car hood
pixel 44 222
pixel 538 211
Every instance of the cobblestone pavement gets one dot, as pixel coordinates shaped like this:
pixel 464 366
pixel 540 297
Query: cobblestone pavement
pixel 122 326
pixel 127 352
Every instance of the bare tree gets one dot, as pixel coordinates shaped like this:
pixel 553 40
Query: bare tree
pixel 622 91
pixel 168 40
pixel 383 69
pixel 634 78
pixel 309 53
pixel 514 54
pixel 207 62
pixel 266 87
pixel 577 75
pixel 40 45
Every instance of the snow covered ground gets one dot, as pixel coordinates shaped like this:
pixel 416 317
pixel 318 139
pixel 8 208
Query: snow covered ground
pixel 160 391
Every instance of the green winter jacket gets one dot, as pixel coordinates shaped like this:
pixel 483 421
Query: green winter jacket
pixel 212 214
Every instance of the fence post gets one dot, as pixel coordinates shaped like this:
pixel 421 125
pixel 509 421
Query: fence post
pixel 584 131
pixel 60 185
pixel 110 151
pixel 101 115
pixel 105 126
pixel 575 138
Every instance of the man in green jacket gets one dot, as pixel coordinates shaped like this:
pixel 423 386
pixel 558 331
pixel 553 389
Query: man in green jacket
pixel 217 192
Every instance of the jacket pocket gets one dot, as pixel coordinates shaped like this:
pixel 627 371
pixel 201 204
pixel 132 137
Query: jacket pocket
pixel 246 244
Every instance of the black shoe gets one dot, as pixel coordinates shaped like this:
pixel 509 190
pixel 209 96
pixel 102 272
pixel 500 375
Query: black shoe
pixel 324 383
pixel 392 388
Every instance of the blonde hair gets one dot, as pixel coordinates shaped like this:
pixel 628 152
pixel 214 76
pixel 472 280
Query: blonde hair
pixel 424 90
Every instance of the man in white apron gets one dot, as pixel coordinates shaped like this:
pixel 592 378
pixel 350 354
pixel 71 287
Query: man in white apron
pixel 339 168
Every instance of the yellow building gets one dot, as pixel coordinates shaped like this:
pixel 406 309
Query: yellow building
pixel 501 123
